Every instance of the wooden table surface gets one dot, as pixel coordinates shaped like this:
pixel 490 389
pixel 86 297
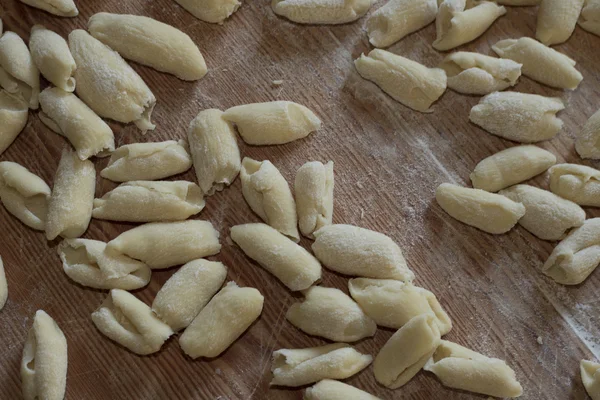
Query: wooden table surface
pixel 388 162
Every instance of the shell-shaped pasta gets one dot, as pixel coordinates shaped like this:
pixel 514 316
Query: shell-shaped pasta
pixel 590 18
pixel 24 194
pixel 398 18
pixel 540 63
pixel 330 313
pixel 149 42
pixel 23 76
pixel 274 122
pixel 67 115
pixel 51 55
pixel 461 21
pixel 187 291
pixel 166 244
pixel 547 216
pixel 511 166
pixel 590 376
pixel 214 11
pixel 214 151
pixel 460 368
pixel 588 140
pixel 3 284
pixel 229 314
pixel 150 201
pixel 406 81
pixel 474 73
pixel 298 367
pixel 321 11
pixel 490 212
pixel 314 196
pixel 62 8
pixel 13 114
pixel 87 263
pixel 521 117
pixel 131 323
pixel 44 362
pixel 328 389
pixel 147 161
pixel 577 183
pixel 556 20
pixel 107 84
pixel 268 194
pixel 71 202
pixel 351 250
pixel 519 2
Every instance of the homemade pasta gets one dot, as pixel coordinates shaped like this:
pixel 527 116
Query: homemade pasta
pixel 590 376
pixel 215 11
pixel 22 76
pixel 577 183
pixel 321 11
pixel 51 55
pixel 314 196
pixel 588 140
pixel 62 8
pixel 556 20
pixel 328 389
pixel 13 114
pixel 590 18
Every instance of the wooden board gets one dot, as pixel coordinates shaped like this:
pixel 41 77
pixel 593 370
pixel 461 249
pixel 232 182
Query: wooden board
pixel 388 162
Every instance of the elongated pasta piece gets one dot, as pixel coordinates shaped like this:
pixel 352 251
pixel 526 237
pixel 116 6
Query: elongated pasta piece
pixel 321 11
pixel 88 263
pixel 406 81
pixel 3 284
pixel 166 244
pixel 474 73
pixel 214 11
pixel 590 18
pixel 214 151
pixel 51 55
pixel 274 122
pixel 519 2
pixel 188 291
pixel 131 323
pixel 577 183
pixel 23 77
pixel 351 250
pixel 150 42
pixel 556 20
pixel 298 367
pixel 314 196
pixel 540 63
pixel 150 201
pixel 107 84
pixel 13 114
pixel 460 368
pixel 588 140
pixel 71 202
pixel 224 319
pixel 590 376
pixel 328 389
pixel 62 8
pixel 44 362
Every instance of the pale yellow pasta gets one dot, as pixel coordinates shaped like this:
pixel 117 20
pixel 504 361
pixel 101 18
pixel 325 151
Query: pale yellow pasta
pixel 588 140
pixel 556 20
pixel 45 359
pixel 187 291
pixel 328 389
pixel 590 376
pixel 3 283
pixel 62 8
pixel 51 55
pixel 578 183
pixel 590 18
pixel 314 196
pixel 214 11
pixel 519 2
pixel 13 114
pixel 321 11
pixel 224 319
pixel 23 77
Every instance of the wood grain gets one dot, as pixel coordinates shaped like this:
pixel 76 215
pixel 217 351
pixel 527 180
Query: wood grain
pixel 388 162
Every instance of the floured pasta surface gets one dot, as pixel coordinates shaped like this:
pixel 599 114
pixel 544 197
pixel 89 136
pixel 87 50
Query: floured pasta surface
pixel 313 188
pixel 590 376
pixel 519 2
pixel 13 114
pixel 61 8
pixel 20 76
pixel 321 11
pixel 590 18
pixel 556 20
pixel 215 11
pixel 578 183
pixel 328 389
pixel 588 140
pixel 52 57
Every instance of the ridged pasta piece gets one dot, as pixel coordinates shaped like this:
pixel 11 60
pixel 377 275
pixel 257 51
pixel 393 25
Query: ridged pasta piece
pixel 214 11
pixel 107 84
pixel 590 18
pixel 61 8
pixel 224 319
pixel 298 367
pixel 540 63
pixel 578 183
pixel 22 77
pixel 321 11
pixel 166 244
pixel 3 284
pixel 131 323
pixel 328 389
pixel 406 81
pixel 460 368
pixel 51 55
pixel 588 140
pixel 556 20
pixel 314 196
pixel 24 194
pixel 13 114
pixel 45 360
pixel 590 376
pixel 519 2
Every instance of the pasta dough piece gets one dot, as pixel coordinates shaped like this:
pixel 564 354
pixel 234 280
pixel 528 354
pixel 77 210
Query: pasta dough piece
pixel 521 117
pixel 150 201
pixel 295 267
pixel 590 376
pixel 44 362
pixel 214 11
pixel 556 20
pixel 588 140
pixel 461 21
pixel 298 367
pixel 540 63
pixel 70 205
pixel 107 84
pixel 131 323
pixel 214 151
pixel 229 314
pixel 406 81
pixel 67 115
pixel 3 284
pixel 147 161
pixel 13 114
pixel 87 263
pixel 393 303
pixel 460 368
pixel 351 250
pixel 149 42
pixel 321 11
pixel 590 18
pixel 23 76
pixel 407 351
pixel 474 73
pixel 274 122
pixel 268 194
pixel 314 196
pixel 51 55
pixel 166 244
pixel 492 213
pixel 547 216
pixel 328 389
pixel 519 2
pixel 24 194
pixel 62 8
pixel 187 291
pixel 577 183
pixel 330 313
pixel 511 166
